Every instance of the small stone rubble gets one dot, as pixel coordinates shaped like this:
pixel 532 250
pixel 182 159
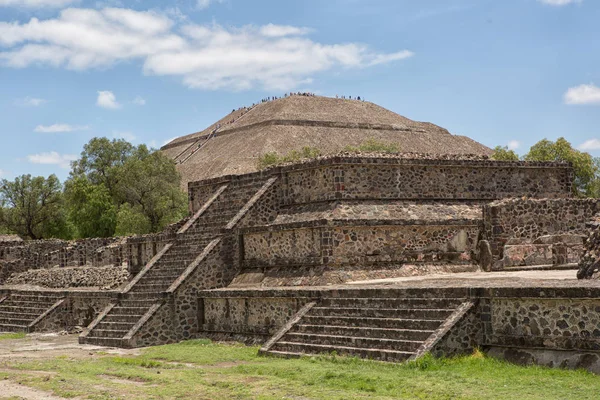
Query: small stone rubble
pixel 107 277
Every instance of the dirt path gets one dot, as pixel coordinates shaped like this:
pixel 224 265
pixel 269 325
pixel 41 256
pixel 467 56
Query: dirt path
pixel 10 389
pixel 47 346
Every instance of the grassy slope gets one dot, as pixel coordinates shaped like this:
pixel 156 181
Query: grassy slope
pixel 202 370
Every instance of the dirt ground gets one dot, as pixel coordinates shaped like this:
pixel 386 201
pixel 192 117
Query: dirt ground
pixel 45 346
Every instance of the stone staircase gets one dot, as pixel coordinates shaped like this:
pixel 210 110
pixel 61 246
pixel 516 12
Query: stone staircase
pixel 21 310
pixel 145 294
pixel 386 329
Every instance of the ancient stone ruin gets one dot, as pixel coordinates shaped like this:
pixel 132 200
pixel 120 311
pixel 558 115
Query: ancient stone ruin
pixel 276 256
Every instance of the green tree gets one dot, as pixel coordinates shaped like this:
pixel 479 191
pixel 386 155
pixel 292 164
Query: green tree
pixel 504 154
pixel 91 209
pixel 101 161
pixel 33 207
pixel 149 183
pixel 116 187
pixel 585 168
pixel 132 221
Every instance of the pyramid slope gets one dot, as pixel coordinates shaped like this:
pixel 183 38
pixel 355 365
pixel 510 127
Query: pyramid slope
pixel 294 122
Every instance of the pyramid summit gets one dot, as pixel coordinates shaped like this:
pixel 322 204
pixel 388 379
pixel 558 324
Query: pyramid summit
pixel 233 144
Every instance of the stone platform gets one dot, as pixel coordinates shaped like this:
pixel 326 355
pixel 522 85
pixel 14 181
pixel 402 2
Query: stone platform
pixel 518 315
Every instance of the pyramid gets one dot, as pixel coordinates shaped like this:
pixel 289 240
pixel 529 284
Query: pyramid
pixel 233 144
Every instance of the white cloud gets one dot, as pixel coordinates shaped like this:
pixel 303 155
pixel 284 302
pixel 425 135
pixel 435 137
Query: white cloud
pixel 30 102
pixel 107 99
pixel 272 30
pixel 590 145
pixel 514 144
pixel 52 158
pixel 59 128
pixel 204 56
pixel 583 94
pixel 1 173
pixel 130 137
pixel 559 2
pixel 37 3
pixel 202 4
pixel 139 100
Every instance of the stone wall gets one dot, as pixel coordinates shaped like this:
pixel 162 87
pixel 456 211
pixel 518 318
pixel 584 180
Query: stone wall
pixel 363 177
pixel 77 311
pixel 359 245
pixel 389 178
pixel 543 231
pixel 133 252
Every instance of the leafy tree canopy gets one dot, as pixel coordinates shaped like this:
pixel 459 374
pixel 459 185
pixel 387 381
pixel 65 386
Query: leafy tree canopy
pixel 584 166
pixel 504 154
pixel 92 211
pixel 33 207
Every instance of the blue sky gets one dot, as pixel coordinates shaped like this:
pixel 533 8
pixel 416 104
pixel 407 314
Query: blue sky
pixel 507 72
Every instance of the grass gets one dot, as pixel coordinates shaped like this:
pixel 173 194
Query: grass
pixel 200 369
pixel 374 146
pixel 273 158
pixel 16 335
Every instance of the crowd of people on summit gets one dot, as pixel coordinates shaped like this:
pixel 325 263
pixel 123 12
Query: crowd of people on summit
pixel 272 98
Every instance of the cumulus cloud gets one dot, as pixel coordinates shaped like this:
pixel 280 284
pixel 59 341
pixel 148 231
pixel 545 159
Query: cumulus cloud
pixel 52 158
pixel 30 102
pixel 203 56
pixel 590 145
pixel 559 3
pixel 272 30
pixel 139 101
pixel 107 99
pixel 202 4
pixel 513 144
pixel 55 128
pixel 37 3
pixel 583 94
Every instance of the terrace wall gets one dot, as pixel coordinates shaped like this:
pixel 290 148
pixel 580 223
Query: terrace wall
pixel 541 231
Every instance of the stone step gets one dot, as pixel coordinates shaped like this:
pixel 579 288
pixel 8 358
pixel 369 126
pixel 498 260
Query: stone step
pixel 314 349
pixel 382 312
pixel 102 341
pixel 161 276
pixel 118 317
pixel 143 287
pixel 404 303
pixel 4 307
pixel 109 333
pixel 19 314
pixel 8 320
pixel 384 333
pixel 173 264
pixel 126 310
pixel 410 346
pixel 167 275
pixel 368 322
pixel 140 299
pixel 12 328
pixel 34 298
pixel 114 326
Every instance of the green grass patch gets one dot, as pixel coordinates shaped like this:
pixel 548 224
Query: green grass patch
pixel 374 146
pixel 273 158
pixel 15 335
pixel 200 369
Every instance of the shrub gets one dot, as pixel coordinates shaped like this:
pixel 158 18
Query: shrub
pixel 374 146
pixel 272 159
